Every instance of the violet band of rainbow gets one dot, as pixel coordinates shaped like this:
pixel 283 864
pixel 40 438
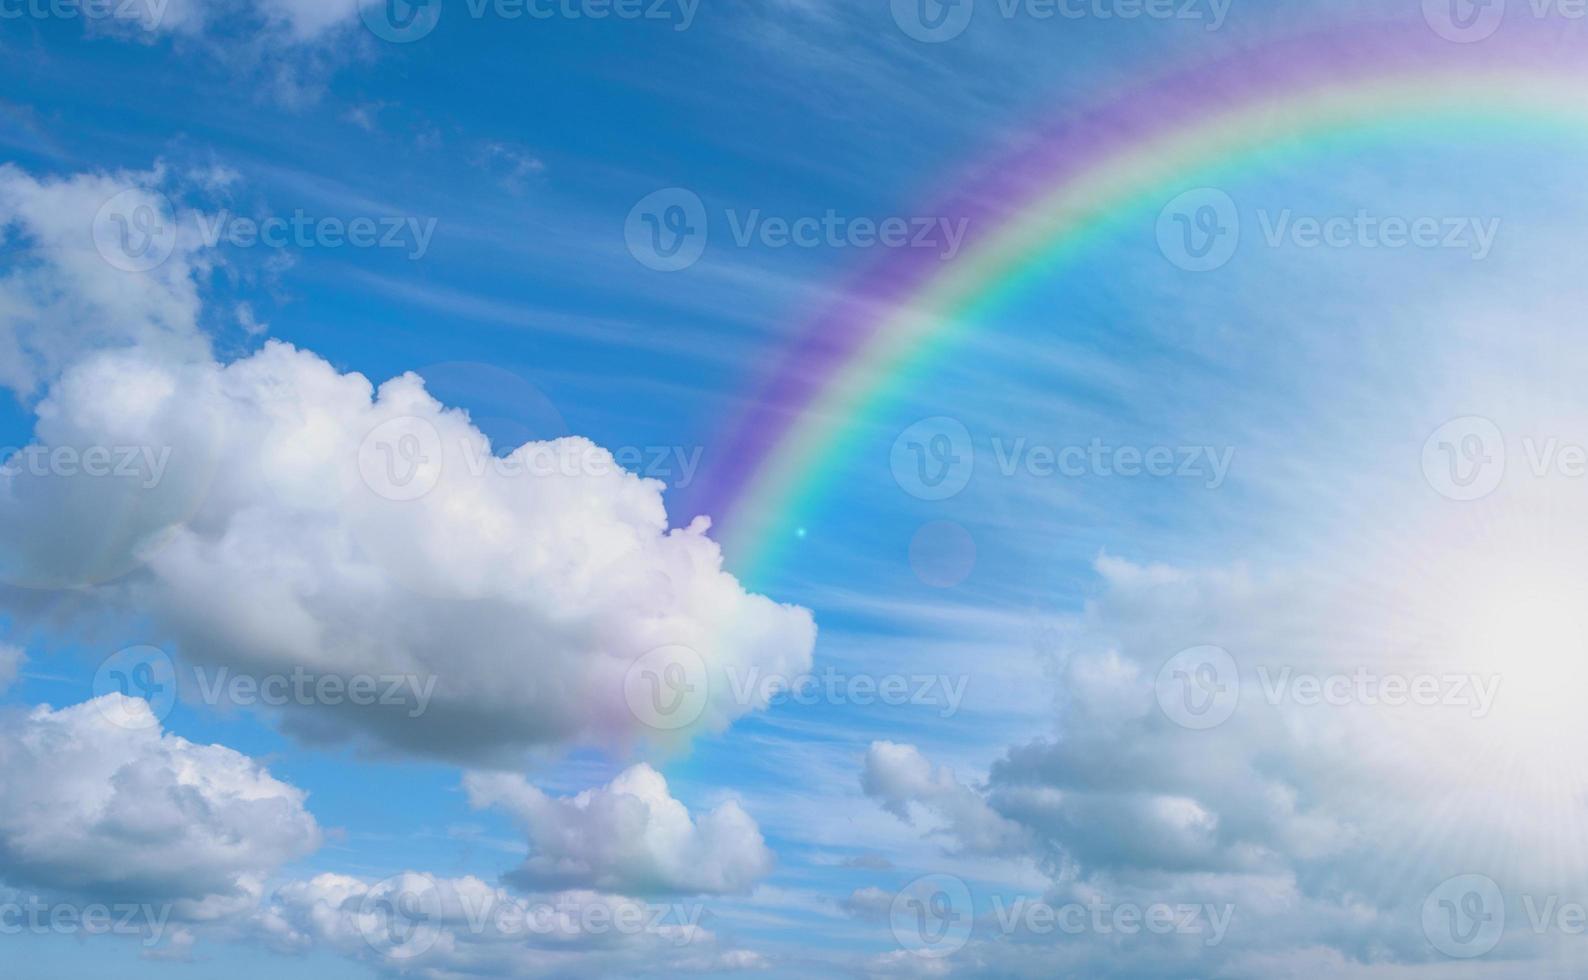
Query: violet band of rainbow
pixel 1139 149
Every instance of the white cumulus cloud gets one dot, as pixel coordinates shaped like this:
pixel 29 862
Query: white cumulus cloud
pixel 130 813
pixel 59 296
pixel 419 924
pixel 900 778
pixel 630 836
pixel 517 597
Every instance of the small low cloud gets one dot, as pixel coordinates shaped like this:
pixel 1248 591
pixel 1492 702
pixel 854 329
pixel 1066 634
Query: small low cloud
pixel 630 836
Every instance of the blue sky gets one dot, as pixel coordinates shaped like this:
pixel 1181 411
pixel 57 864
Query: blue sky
pixel 1033 752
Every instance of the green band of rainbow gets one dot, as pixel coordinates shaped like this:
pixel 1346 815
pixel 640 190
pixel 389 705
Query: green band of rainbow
pixel 1129 158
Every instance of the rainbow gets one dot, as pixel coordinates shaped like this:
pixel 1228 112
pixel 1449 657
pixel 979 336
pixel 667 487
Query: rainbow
pixel 1048 199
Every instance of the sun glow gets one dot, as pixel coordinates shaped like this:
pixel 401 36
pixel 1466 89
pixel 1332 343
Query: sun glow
pixel 1532 634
